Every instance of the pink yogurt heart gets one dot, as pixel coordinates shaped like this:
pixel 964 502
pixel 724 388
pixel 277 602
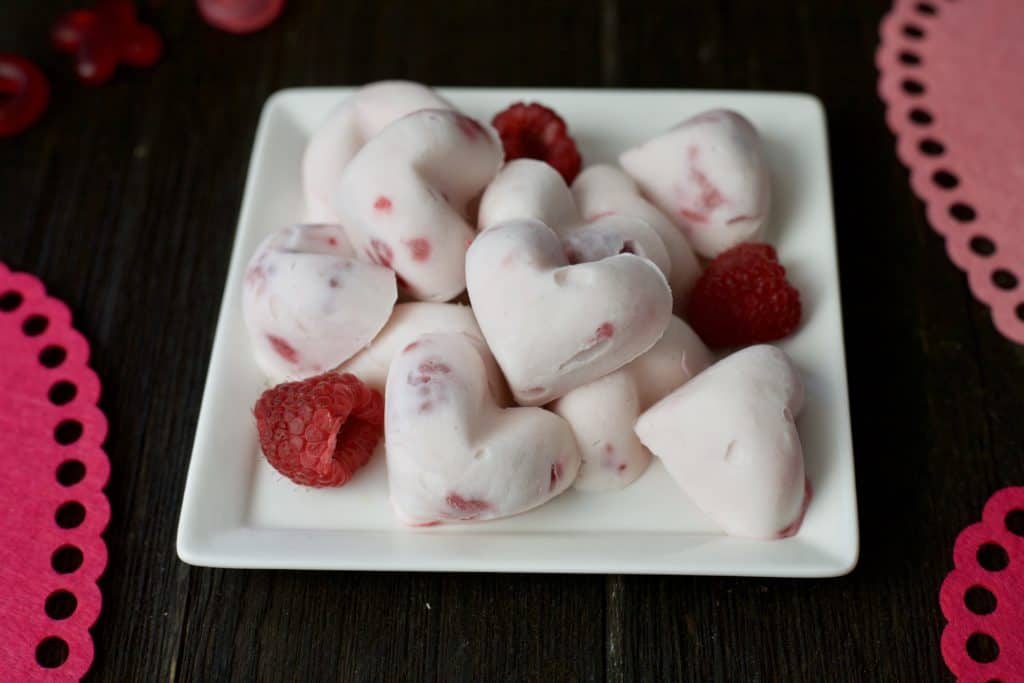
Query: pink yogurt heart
pixel 554 326
pixel 708 174
pixel 454 452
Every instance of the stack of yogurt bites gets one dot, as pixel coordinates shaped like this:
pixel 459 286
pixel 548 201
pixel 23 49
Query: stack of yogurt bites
pixel 594 295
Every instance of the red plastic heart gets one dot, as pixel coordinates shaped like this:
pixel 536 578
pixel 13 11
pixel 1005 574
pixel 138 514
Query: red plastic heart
pixel 105 36
pixel 24 94
pixel 240 16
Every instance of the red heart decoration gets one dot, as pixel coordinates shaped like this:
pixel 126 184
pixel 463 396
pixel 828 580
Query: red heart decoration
pixel 105 36
pixel 240 16
pixel 24 94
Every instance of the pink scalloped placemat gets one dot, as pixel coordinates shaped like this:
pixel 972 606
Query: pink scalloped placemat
pixel 951 79
pixel 52 505
pixel 983 597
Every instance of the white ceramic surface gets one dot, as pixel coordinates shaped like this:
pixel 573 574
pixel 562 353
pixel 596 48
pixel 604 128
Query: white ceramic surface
pixel 238 512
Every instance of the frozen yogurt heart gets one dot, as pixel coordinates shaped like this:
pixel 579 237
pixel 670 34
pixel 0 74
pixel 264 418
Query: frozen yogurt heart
pixel 409 321
pixel 309 304
pixel 708 174
pixel 604 190
pixel 729 439
pixel 603 412
pixel 553 326
pixel 526 188
pixel 404 199
pixel 453 451
pixel 347 128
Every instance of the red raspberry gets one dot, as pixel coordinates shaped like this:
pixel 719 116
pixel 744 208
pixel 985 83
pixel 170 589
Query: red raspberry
pixel 743 298
pixel 319 431
pixel 533 131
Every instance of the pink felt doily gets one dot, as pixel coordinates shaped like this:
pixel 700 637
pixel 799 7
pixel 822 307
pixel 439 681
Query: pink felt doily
pixel 951 77
pixel 983 597
pixel 52 505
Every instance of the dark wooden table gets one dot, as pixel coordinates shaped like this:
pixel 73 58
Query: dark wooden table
pixel 124 200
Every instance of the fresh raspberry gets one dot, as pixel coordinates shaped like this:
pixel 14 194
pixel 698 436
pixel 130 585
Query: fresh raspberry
pixel 533 131
pixel 743 298
pixel 319 431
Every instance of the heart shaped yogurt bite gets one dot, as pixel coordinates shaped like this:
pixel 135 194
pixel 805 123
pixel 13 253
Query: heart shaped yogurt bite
pixel 526 188
pixel 729 439
pixel 404 199
pixel 409 321
pixel 603 412
pixel 347 128
pixel 309 304
pixel 453 451
pixel 604 190
pixel 707 174
pixel 553 326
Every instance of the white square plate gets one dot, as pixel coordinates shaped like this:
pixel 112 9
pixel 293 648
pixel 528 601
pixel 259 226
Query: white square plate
pixel 238 512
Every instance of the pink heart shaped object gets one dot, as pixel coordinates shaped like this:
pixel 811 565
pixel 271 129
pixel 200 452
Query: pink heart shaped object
pixel 51 431
pixel 408 321
pixel 729 439
pixel 404 198
pixel 453 451
pixel 240 16
pixel 708 174
pixel 604 190
pixel 601 215
pixel 950 76
pixel 603 412
pixel 309 304
pixel 348 127
pixel 983 597
pixel 553 326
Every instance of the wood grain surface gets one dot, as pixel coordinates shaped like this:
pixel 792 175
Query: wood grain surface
pixel 124 200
